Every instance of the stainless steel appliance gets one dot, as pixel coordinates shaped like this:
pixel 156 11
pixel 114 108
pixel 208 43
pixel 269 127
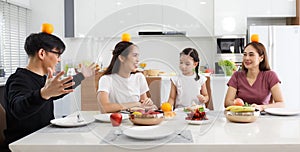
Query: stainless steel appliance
pixel 230 45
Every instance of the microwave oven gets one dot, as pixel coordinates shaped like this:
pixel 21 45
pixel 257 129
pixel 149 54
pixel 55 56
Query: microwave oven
pixel 230 45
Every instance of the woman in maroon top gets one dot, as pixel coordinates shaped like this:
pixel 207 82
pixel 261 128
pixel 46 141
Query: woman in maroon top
pixel 256 84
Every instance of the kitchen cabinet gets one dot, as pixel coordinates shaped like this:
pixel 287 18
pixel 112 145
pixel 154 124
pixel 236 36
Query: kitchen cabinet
pixel 104 18
pixel 191 16
pixel 110 18
pixel 271 8
pixel 230 17
pixel 68 104
pixel 219 89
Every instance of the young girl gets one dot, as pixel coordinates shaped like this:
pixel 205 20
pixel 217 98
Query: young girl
pixel 119 88
pixel 188 88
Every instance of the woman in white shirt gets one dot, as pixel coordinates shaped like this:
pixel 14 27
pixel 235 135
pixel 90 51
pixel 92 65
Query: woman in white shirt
pixel 119 87
pixel 188 88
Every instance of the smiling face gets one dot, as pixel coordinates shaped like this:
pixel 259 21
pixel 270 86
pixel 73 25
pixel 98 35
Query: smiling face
pixel 51 59
pixel 131 61
pixel 251 58
pixel 187 65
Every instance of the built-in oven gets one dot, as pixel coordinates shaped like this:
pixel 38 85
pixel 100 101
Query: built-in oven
pixel 230 45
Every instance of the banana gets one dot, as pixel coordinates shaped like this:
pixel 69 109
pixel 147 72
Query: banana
pixel 230 107
pixel 242 109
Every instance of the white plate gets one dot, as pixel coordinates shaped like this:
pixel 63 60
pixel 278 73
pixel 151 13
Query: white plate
pixel 71 122
pixel 199 122
pixel 283 111
pixel 106 117
pixel 182 110
pixel 148 132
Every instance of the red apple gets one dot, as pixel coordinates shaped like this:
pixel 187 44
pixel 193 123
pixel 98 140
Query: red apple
pixel 116 119
pixel 238 102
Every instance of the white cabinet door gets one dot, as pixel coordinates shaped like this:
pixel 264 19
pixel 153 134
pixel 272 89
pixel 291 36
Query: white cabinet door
pixel 230 17
pixel 191 16
pixel 104 18
pixel 271 8
pixel 108 18
pixel 150 17
pixel 203 13
pixel 219 90
pixel 283 8
pixel 258 8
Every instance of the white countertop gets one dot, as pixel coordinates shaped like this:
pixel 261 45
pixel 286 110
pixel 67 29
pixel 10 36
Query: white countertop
pixel 267 133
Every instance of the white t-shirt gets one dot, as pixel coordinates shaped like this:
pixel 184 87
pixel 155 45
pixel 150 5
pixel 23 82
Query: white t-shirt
pixel 187 89
pixel 122 90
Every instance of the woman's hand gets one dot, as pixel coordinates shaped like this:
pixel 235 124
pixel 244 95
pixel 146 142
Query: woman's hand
pixel 147 102
pixel 259 107
pixel 201 98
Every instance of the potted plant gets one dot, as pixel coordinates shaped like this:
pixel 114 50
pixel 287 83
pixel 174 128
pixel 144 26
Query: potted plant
pixel 227 66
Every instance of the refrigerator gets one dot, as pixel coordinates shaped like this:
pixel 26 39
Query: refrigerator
pixel 283 50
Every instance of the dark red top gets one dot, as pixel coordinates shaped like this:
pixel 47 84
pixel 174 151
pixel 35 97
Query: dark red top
pixel 260 91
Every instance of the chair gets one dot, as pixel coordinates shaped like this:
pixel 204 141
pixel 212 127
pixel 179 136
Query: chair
pixel 89 87
pixel 154 84
pixel 209 103
pixel 2 124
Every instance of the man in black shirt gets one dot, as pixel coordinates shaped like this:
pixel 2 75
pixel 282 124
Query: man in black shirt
pixel 30 91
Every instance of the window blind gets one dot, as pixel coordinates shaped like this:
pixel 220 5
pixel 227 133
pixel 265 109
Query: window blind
pixel 14 28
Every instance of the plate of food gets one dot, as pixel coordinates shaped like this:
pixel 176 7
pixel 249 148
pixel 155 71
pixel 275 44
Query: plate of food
pixel 148 132
pixel 242 114
pixel 197 117
pixel 71 122
pixel 106 117
pixel 199 122
pixel 283 111
pixel 191 108
pixel 146 118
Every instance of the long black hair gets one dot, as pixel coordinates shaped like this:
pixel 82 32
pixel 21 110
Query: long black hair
pixel 194 54
pixel 122 48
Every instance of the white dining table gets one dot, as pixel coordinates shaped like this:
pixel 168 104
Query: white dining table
pixel 267 133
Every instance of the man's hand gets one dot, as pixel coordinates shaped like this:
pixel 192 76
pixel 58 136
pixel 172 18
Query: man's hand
pixel 54 86
pixel 88 71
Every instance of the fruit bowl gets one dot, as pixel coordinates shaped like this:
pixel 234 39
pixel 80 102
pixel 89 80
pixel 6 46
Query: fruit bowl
pixel 146 119
pixel 245 117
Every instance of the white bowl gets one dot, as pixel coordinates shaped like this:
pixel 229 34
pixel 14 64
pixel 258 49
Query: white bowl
pixel 242 116
pixel 146 119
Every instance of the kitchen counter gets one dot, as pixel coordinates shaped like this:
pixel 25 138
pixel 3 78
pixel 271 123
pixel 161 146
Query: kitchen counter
pixel 267 133
pixel 2 81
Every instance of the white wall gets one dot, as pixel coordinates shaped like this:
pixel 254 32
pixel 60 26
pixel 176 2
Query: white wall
pixel 48 11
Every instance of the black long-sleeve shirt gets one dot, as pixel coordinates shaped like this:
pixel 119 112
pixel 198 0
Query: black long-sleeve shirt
pixel 26 110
